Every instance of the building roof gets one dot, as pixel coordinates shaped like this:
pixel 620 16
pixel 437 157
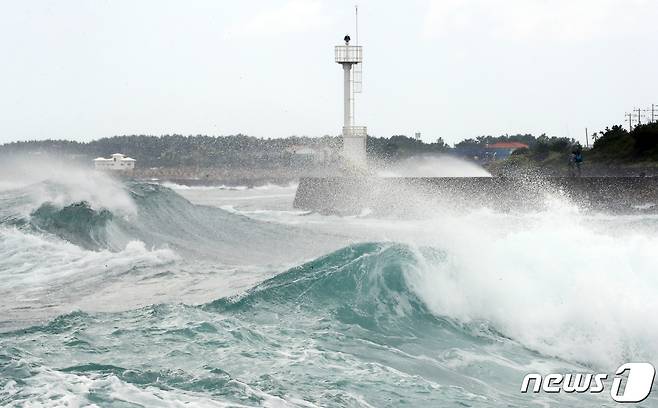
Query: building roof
pixel 507 145
pixel 118 156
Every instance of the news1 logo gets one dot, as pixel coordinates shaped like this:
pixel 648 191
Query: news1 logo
pixel 637 389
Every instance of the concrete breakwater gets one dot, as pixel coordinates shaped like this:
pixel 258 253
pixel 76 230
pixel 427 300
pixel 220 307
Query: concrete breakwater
pixel 351 195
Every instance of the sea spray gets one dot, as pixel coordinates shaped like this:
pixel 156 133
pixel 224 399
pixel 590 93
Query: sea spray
pixel 455 307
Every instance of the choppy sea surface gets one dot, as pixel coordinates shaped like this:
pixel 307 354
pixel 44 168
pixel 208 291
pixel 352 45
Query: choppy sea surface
pixel 132 294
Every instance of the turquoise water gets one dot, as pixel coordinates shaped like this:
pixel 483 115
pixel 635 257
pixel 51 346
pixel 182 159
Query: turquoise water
pixel 141 298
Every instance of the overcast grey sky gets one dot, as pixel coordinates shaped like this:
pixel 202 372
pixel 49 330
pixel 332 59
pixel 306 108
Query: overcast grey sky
pixel 85 69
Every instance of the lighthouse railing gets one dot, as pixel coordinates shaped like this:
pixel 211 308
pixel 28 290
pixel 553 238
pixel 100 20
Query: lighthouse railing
pixel 349 53
pixel 355 131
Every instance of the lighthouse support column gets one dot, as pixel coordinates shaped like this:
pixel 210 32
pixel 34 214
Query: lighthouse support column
pixel 347 95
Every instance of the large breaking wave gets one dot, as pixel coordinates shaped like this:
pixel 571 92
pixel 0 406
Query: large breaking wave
pixel 458 314
pixel 347 320
pixel 155 216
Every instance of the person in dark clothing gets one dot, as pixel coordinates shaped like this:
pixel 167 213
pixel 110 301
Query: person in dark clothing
pixel 575 161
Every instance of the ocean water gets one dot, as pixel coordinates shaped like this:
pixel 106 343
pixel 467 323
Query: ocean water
pixel 129 294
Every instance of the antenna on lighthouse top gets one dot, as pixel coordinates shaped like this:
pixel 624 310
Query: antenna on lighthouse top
pixel 356 18
pixel 357 74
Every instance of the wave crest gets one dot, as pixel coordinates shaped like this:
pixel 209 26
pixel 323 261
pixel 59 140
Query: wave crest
pixel 77 223
pixel 364 284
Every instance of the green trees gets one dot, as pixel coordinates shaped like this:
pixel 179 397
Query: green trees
pixel 400 147
pixel 646 141
pixel 241 151
pixel 237 151
pixel 618 144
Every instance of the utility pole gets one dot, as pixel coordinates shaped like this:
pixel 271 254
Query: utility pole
pixel 630 121
pixel 586 138
pixel 639 114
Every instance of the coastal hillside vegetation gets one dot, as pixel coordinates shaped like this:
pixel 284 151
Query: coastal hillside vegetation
pixel 614 145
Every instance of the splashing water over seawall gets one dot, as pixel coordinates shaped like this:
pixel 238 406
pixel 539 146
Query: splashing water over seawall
pixel 142 297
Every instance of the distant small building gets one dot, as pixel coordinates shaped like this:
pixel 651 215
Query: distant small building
pixel 502 150
pixel 305 155
pixel 118 162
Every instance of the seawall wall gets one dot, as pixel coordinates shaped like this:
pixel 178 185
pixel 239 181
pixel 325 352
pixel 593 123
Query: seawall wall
pixel 351 195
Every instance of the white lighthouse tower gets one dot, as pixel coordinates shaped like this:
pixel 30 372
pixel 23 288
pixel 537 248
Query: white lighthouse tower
pixel 354 137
